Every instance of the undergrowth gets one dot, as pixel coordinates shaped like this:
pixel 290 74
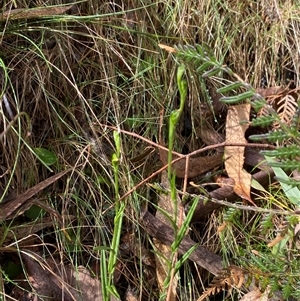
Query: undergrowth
pixel 74 79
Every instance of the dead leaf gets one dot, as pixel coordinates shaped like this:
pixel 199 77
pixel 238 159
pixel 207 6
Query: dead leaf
pixel 197 165
pixel 271 91
pixel 297 229
pixel 164 233
pixel 275 241
pixel 167 48
pixel 252 296
pixel 236 126
pixel 257 295
pixel 130 295
pixel 10 209
pixel 131 245
pixel 60 282
pixel 283 100
pixel 32 13
pixel 40 280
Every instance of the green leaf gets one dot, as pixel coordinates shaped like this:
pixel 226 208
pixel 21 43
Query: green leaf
pixel 230 87
pixel 258 103
pixel 12 269
pixel 204 67
pixel 184 257
pixel 46 156
pixel 282 245
pixel 34 212
pixel 237 98
pixel 287 164
pixel 117 140
pixel 292 193
pixel 264 121
pixel 212 72
pixel 182 231
pixel 276 136
pixel 289 151
pixel 256 185
pixel 180 73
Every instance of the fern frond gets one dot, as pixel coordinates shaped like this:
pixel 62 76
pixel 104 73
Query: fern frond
pixel 266 223
pixel 202 59
pixel 238 98
pixel 264 121
pixel 200 56
pixel 287 290
pixel 273 137
pixel 289 151
pixel 231 214
pixel 258 103
pixel 232 276
pixel 287 164
pixel 296 118
pixel 287 107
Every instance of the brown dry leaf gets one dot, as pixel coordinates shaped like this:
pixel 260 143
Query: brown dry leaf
pixel 254 295
pixel 287 107
pixel 197 165
pixel 130 245
pixel 40 280
pixel 130 295
pixel 275 241
pixel 283 100
pixel 165 233
pixel 32 13
pixel 167 48
pixel 236 126
pixel 57 282
pixel 297 229
pixel 271 91
pixel 10 209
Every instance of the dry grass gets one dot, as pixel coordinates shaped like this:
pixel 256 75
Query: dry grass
pixel 99 64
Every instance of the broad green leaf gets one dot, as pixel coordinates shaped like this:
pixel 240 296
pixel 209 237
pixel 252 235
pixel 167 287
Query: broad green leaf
pixel 34 212
pixel 292 193
pixel 46 156
pixel 256 185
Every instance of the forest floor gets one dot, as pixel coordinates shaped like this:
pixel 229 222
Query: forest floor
pixel 98 98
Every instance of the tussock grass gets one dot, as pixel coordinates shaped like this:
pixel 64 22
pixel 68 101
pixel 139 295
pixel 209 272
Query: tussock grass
pixel 99 64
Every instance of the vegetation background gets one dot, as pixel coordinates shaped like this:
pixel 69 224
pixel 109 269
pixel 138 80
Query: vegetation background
pixel 71 74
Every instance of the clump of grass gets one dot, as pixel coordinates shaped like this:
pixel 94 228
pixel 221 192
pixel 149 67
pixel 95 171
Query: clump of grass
pixel 98 65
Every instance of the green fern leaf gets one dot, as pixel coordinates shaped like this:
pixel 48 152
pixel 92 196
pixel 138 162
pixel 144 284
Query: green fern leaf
pixel 231 214
pixel 238 98
pixel 289 151
pixel 287 164
pixel 264 121
pixel 266 223
pixel 287 289
pixel 230 87
pixel 276 136
pixel 258 103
